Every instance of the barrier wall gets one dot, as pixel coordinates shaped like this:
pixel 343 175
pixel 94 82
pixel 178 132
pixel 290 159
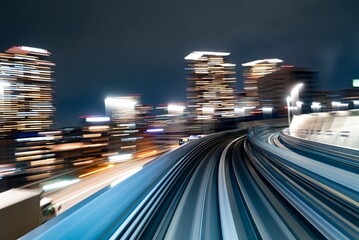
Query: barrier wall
pixel 339 128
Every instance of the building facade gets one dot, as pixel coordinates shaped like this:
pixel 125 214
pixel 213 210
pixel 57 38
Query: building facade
pixel 211 85
pixel 252 72
pixel 26 114
pixel 26 90
pixel 274 88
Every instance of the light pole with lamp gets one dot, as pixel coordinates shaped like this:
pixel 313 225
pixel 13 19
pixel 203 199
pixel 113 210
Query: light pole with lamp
pixel 294 98
pixel 289 99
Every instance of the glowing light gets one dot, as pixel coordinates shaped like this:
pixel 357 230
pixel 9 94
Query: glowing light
pixel 120 157
pixel 98 128
pixel 299 103
pixel 315 104
pixel 146 154
pixel 208 109
pixel 198 54
pixel 91 135
pixel 4 84
pixel 153 130
pixel 68 146
pixel 123 102
pixel 175 108
pixel 96 171
pixel 32 49
pixel 60 184
pixel 267 109
pixel 271 60
pixel 97 119
pixel 355 82
pixel 296 88
pixel 34 139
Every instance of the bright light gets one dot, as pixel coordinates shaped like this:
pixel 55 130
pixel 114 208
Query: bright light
pixel 267 109
pixel 175 108
pixel 4 84
pixel 271 60
pixel 120 157
pixel 315 104
pixel 96 171
pixel 98 128
pixel 296 88
pixel 97 119
pixel 155 130
pixel 198 54
pixel 59 184
pixel 299 103
pixel 147 154
pixel 121 102
pixel 355 82
pixel 207 109
pixel 125 176
pixel 32 49
pixel 339 105
pixel 34 139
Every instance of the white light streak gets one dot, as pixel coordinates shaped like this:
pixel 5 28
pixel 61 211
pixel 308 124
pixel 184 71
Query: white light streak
pixel 59 184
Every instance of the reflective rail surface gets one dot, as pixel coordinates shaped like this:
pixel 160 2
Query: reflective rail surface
pixel 224 186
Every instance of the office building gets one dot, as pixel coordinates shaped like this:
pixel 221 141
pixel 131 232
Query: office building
pixel 252 72
pixel 123 112
pixel 211 85
pixel 26 90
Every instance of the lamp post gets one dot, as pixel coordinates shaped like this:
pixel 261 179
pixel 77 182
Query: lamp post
pixel 288 109
pixel 294 93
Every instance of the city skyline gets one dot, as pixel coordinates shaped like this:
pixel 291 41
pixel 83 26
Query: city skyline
pixel 123 48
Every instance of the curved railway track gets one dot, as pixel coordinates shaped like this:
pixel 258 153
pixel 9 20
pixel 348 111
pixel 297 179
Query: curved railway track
pixel 224 186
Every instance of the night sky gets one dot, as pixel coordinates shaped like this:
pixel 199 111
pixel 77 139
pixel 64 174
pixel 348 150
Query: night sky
pixel 111 48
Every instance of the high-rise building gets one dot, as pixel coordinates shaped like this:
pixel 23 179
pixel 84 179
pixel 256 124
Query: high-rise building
pixel 211 85
pixel 123 112
pixel 26 111
pixel 273 88
pixel 254 70
pixel 26 90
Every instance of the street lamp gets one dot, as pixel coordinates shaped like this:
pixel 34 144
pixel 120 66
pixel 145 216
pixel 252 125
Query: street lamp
pixel 295 90
pixel 294 94
pixel 288 109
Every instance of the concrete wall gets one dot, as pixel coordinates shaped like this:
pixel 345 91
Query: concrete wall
pixel 339 128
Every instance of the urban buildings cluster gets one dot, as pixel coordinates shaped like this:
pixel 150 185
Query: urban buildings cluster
pixel 31 149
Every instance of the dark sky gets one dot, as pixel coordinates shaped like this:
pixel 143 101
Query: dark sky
pixel 109 48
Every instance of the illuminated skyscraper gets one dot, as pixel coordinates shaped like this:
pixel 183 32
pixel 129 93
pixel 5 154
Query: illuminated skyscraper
pixel 254 70
pixel 26 112
pixel 26 90
pixel 123 112
pixel 211 84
